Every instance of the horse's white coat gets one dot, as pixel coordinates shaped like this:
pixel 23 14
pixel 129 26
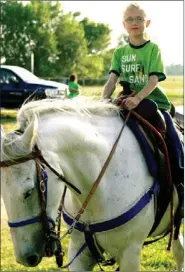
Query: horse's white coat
pixel 77 145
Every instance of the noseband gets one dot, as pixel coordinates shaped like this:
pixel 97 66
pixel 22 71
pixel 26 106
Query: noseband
pixel 53 245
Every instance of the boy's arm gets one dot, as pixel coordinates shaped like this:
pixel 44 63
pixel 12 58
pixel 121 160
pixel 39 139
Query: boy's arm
pixel 132 102
pixel 149 87
pixel 109 86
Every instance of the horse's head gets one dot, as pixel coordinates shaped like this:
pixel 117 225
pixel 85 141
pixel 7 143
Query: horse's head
pixel 20 195
pixel 20 191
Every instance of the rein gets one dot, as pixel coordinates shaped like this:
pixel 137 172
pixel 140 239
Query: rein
pixel 33 156
pixel 138 116
pixel 96 183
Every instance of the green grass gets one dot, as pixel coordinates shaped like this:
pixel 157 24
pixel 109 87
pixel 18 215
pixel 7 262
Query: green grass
pixel 8 119
pixel 173 87
pixel 8 262
pixel 154 257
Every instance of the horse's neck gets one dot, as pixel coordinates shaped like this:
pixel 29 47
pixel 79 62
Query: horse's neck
pixel 82 146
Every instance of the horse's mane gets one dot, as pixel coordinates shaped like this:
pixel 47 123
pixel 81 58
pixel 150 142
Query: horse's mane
pixel 47 107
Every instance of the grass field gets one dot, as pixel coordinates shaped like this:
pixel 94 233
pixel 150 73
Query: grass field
pixel 173 87
pixel 154 257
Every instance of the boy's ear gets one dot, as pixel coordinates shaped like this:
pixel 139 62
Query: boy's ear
pixel 123 24
pixel 148 23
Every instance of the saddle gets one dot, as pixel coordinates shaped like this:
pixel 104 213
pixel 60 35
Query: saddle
pixel 149 111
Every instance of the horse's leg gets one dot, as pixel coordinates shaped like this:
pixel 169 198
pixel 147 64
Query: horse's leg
pixel 178 252
pixel 84 262
pixel 130 258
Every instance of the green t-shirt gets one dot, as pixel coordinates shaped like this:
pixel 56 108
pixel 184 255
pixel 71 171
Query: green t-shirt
pixel 135 64
pixel 73 93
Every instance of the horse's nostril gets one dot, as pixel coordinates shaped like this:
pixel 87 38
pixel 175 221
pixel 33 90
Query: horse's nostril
pixel 33 260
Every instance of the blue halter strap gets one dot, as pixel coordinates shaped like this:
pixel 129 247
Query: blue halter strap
pixel 107 225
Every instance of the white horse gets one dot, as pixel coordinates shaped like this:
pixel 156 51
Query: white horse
pixel 75 139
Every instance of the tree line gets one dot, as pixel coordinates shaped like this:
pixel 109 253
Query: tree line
pixel 60 42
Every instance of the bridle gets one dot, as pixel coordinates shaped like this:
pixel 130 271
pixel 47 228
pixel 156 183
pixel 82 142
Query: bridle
pixel 53 245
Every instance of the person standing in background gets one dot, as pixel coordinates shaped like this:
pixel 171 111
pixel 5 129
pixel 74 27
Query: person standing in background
pixel 74 88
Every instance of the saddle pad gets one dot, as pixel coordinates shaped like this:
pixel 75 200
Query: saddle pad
pixel 146 148
pixel 162 199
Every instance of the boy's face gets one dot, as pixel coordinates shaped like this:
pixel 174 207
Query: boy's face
pixel 134 22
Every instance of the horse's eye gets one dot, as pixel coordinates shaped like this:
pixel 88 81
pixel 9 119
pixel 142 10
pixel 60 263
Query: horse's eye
pixel 28 194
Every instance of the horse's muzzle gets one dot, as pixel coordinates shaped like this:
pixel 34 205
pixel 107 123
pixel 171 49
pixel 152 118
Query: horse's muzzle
pixel 30 260
pixel 33 260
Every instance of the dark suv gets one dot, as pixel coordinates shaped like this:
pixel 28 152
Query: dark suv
pixel 18 84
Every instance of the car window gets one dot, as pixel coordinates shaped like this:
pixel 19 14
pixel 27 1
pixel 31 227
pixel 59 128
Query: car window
pixel 25 74
pixel 5 76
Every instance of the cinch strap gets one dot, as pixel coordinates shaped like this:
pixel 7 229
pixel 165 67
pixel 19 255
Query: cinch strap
pixel 118 221
pixel 110 224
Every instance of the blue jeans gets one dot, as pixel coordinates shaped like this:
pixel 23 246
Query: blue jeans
pixel 175 148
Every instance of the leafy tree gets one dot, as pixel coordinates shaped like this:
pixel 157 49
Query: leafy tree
pixel 107 57
pixel 93 66
pixel 15 21
pixel 27 29
pixel 44 45
pixel 77 48
pixel 97 35
pixel 71 45
pixel 60 43
pixel 174 69
pixel 123 39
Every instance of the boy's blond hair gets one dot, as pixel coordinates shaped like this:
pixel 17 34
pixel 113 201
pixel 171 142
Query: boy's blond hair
pixel 136 6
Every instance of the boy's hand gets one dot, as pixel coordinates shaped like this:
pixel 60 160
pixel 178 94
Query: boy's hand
pixel 131 102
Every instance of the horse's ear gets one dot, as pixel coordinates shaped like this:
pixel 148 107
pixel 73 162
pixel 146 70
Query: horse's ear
pixel 28 139
pixel 2 132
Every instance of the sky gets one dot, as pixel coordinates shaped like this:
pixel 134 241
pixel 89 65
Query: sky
pixel 166 28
